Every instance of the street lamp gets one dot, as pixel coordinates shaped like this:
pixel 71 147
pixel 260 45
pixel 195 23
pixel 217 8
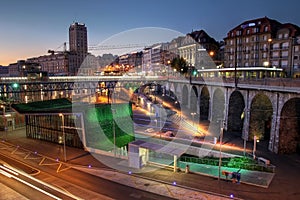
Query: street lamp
pixel 254 145
pixel 220 151
pixel 193 114
pixel 64 135
pixel 114 131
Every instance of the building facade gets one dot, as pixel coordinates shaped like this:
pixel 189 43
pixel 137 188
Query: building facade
pixel 263 42
pixel 199 50
pixel 59 63
pixel 54 64
pixel 78 46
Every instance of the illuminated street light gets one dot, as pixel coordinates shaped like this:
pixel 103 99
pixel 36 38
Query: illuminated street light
pixel 193 114
pixel 254 145
pixel 114 131
pixel 220 151
pixel 64 135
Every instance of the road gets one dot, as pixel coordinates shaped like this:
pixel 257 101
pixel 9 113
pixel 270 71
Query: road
pixel 70 181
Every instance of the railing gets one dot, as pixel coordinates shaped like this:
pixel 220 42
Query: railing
pixel 229 162
pixel 278 82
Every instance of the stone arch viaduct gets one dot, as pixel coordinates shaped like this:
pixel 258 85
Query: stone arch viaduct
pixel 266 108
pixel 269 110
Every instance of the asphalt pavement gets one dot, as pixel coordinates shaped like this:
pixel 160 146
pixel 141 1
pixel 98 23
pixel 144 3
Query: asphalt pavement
pixel 178 185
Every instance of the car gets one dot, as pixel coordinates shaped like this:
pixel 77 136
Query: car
pixel 149 130
pixel 169 134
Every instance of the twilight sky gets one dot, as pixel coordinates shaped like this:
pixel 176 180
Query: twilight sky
pixel 30 27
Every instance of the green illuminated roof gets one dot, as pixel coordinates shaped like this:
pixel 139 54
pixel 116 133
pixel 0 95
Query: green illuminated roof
pixel 49 106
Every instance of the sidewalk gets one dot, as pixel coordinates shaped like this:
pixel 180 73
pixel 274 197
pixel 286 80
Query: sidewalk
pixel 162 180
pixel 81 160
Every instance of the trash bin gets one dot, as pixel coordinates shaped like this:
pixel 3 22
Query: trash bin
pixel 238 177
pixel 233 177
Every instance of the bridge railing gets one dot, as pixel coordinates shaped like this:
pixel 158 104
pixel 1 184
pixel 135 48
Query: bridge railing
pixel 279 82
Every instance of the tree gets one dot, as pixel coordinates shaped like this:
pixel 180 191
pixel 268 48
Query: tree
pixel 180 65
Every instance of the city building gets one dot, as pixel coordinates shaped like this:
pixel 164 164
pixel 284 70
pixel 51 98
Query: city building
pixel 146 60
pixel 78 46
pixel 156 59
pixel 3 71
pixel 58 63
pixel 263 42
pixel 200 50
pixel 159 58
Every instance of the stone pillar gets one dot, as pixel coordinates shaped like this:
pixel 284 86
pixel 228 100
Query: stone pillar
pixel 274 137
pixel 226 109
pixel 246 118
pixel 210 105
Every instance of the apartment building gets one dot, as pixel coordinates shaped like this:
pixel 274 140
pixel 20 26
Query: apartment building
pixel 263 42
pixel 200 50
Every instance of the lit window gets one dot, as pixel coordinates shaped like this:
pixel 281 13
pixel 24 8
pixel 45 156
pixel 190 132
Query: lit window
pixel 286 35
pixel 266 29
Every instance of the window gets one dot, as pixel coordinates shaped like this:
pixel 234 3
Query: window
pixel 286 35
pixel 296 48
pixel 284 63
pixel 285 45
pixel 266 29
pixel 248 31
pixel 265 47
pixel 264 55
pixel 280 36
pixel 265 38
pixel 275 63
pixel 284 54
pixel 276 46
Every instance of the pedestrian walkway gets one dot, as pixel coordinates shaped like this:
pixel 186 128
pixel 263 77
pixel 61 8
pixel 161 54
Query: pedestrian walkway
pixel 256 178
pixel 172 190
pixel 87 163
pixel 285 182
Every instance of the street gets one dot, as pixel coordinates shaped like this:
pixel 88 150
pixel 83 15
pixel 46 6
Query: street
pixel 71 181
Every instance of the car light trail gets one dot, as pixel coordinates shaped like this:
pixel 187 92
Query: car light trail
pixel 11 172
pixel 14 176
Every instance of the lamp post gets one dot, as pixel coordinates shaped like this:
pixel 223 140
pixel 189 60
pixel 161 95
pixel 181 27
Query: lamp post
pixel 254 146
pixel 193 114
pixel 220 151
pixel 114 131
pixel 64 135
